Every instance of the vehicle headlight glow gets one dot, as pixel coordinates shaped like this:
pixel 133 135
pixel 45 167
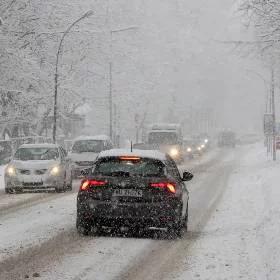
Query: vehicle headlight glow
pixel 199 148
pixel 11 171
pixel 206 141
pixel 55 170
pixel 174 152
pixel 202 146
pixel 189 150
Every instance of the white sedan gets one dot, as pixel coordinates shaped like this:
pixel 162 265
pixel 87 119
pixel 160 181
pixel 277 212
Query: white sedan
pixel 37 167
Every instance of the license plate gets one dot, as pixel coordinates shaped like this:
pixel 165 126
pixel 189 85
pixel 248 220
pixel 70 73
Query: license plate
pixel 128 192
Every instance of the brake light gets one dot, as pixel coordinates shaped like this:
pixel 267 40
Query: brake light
pixel 86 184
pixel 130 158
pixel 164 185
pixel 171 188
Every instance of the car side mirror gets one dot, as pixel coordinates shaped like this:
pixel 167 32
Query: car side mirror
pixel 187 176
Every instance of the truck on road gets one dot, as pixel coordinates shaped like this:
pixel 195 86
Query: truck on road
pixel 165 137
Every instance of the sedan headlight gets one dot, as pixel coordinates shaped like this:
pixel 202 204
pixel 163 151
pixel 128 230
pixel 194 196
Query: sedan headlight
pixel 174 152
pixel 11 171
pixel 55 170
pixel 189 150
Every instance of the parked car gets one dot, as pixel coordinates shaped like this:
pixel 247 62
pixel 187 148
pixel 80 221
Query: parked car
pixel 37 167
pixel 139 189
pixel 85 150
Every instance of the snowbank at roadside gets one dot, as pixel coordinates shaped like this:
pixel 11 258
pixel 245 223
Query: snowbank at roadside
pixel 2 169
pixel 242 240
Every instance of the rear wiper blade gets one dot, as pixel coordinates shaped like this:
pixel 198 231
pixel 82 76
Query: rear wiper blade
pixel 151 175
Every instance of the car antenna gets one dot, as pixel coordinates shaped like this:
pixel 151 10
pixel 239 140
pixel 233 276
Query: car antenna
pixel 131 146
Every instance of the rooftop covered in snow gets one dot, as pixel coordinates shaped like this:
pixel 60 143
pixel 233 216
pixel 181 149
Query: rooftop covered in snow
pixel 41 145
pixel 95 137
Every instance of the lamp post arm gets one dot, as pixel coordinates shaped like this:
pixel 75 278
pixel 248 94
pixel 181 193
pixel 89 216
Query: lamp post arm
pixel 86 15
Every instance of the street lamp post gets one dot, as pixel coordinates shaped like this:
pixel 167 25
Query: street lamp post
pixel 111 76
pixel 273 114
pixel 86 15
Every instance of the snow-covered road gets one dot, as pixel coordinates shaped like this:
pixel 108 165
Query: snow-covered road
pixel 232 230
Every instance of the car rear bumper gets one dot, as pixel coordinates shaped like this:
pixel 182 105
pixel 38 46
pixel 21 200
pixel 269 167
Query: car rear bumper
pixel 148 214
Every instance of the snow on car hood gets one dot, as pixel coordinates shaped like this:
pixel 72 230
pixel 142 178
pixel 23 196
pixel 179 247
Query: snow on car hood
pixel 33 164
pixel 88 156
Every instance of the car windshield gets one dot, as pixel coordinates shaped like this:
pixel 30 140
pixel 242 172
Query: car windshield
pixel 25 154
pixel 141 167
pixel 92 146
pixel 163 138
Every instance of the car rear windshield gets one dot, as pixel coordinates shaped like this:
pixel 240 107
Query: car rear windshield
pixel 126 168
pixel 163 138
pixel 36 154
pixel 83 146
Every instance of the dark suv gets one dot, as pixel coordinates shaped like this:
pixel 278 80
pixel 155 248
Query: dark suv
pixel 139 189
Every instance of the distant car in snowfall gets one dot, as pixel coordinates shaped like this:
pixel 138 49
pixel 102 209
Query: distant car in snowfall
pixel 195 145
pixel 201 143
pixel 85 150
pixel 188 148
pixel 38 167
pixel 139 189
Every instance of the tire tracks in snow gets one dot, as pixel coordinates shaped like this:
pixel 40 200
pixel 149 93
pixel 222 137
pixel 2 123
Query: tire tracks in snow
pixel 161 262
pixel 28 261
pixel 33 200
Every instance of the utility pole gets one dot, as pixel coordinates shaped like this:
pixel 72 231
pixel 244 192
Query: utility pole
pixel 111 102
pixel 136 120
pixel 273 113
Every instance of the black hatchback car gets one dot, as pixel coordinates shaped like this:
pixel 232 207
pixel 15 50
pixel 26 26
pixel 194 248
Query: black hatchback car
pixel 139 189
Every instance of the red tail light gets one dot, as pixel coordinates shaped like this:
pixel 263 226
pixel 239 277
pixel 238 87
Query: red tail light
pixel 130 158
pixel 86 184
pixel 165 185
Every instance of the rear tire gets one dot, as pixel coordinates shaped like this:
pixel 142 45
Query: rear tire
pixel 63 188
pixel 70 186
pixel 59 189
pixel 9 191
pixel 186 219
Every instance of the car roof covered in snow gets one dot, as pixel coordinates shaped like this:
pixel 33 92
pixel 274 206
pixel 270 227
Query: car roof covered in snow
pixel 152 154
pixel 42 145
pixel 95 137
pixel 164 126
